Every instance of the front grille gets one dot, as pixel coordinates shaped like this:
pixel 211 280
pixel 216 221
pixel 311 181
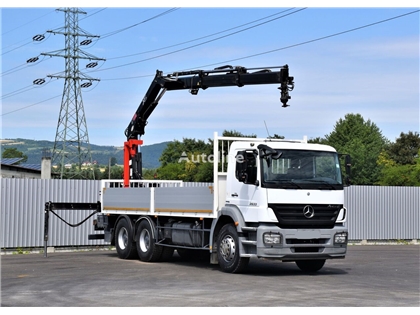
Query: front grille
pixel 291 216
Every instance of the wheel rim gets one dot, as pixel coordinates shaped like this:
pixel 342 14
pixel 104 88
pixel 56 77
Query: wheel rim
pixel 144 240
pixel 227 248
pixel 123 238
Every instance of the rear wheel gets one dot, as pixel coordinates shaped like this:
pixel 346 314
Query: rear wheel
pixel 228 251
pixel 310 265
pixel 124 244
pixel 146 246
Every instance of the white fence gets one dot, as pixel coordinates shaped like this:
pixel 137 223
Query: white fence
pixel 375 213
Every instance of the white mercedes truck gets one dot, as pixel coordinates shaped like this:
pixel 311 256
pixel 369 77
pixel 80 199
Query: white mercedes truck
pixel 270 198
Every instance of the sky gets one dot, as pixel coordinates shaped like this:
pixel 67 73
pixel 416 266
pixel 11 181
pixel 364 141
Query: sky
pixel 361 60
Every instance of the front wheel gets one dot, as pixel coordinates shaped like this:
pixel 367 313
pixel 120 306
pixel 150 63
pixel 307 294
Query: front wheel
pixel 310 265
pixel 124 244
pixel 146 247
pixel 228 251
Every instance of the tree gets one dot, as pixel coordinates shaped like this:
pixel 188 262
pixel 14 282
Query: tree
pixel 191 159
pixel 405 149
pixel 234 133
pixel 150 173
pixel 14 153
pixel 276 136
pixel 400 162
pixel 113 161
pixel 364 141
pixel 175 150
pixel 115 172
pixel 394 174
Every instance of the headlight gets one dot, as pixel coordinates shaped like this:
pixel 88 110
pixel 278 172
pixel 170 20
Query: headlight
pixel 272 238
pixel 340 238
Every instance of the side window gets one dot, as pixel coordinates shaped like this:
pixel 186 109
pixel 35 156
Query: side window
pixel 246 167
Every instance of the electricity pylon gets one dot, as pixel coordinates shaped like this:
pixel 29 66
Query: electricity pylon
pixel 72 147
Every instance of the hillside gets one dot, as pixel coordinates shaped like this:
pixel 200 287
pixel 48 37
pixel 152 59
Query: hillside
pixel 34 148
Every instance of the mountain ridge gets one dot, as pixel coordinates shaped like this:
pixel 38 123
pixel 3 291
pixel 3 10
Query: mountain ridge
pixel 33 149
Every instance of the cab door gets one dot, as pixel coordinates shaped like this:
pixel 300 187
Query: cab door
pixel 244 190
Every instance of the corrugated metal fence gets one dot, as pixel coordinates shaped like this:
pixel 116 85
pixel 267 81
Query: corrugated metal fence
pixel 375 213
pixel 383 213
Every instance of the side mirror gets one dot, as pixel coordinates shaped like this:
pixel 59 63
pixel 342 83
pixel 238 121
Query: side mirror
pixel 347 160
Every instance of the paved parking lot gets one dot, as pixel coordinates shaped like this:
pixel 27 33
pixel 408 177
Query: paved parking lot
pixel 372 275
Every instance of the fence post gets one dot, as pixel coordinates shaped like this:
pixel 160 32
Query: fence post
pixel 46 219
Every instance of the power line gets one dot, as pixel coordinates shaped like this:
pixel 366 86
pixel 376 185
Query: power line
pixel 288 47
pixel 91 14
pixel 18 68
pixel 131 26
pixel 22 108
pixel 9 31
pixel 316 39
pixel 199 38
pixel 29 63
pixel 200 44
pixel 173 9
pixel 29 41
pixel 262 53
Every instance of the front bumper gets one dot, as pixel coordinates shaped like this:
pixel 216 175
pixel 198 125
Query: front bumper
pixel 297 244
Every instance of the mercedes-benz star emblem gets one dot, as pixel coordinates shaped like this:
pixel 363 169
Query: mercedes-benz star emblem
pixel 308 212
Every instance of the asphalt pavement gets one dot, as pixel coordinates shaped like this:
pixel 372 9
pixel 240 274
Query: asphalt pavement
pixel 369 276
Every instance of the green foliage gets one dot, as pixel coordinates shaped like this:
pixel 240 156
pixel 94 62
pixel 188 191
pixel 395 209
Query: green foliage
pixel 113 161
pixel 174 150
pixel 405 149
pixel 172 171
pixel 191 159
pixel 204 173
pixel 401 171
pixel 149 173
pixel 115 172
pixel 234 133
pixel 401 175
pixel 81 173
pixel 317 140
pixel 276 136
pixel 364 141
pixel 14 153
pixel 188 169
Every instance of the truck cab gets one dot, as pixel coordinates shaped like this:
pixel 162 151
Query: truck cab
pixel 289 197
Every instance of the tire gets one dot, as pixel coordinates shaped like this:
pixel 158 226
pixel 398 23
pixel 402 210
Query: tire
pixel 228 253
pixel 147 250
pixel 124 244
pixel 310 265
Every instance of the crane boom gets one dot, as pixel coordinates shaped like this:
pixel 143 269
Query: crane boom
pixel 202 79
pixel 193 81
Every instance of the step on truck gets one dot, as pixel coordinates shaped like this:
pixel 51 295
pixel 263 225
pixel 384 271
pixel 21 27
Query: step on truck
pixel 270 198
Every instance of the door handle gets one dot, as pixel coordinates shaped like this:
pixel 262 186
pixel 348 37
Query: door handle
pixel 234 195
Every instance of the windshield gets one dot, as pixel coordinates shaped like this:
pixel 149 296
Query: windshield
pixel 302 169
